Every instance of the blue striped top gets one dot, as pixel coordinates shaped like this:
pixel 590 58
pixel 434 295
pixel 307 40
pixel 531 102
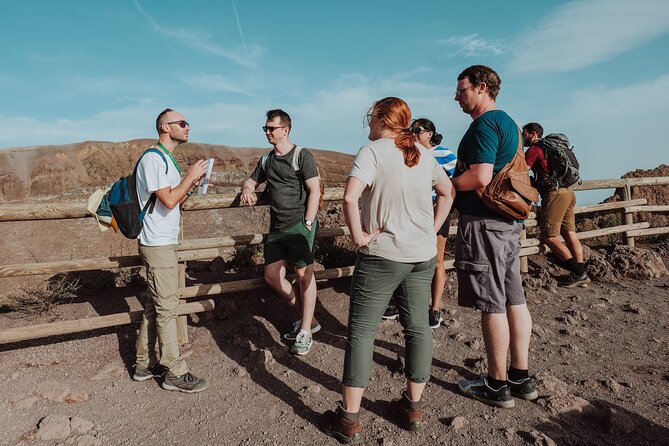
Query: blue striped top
pixel 446 159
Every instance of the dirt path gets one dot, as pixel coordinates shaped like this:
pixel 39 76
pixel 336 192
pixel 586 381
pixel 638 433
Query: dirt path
pixel 599 354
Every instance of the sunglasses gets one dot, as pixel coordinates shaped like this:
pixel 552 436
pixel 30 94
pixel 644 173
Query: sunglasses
pixel 267 128
pixel 183 123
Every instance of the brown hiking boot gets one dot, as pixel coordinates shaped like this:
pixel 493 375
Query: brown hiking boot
pixel 335 425
pixel 410 419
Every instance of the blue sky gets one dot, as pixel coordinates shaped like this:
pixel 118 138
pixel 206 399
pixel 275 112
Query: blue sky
pixel 597 70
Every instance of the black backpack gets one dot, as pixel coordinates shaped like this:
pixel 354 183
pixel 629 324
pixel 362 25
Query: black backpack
pixel 124 203
pixel 562 163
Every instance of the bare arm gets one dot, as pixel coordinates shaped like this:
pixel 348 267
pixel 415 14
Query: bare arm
pixel 352 193
pixel 478 175
pixel 313 186
pixel 445 196
pixel 171 197
pixel 248 194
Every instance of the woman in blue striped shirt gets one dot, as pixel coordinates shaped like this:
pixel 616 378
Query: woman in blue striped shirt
pixel 427 136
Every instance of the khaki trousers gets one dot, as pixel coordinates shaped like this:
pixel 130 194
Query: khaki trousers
pixel 159 321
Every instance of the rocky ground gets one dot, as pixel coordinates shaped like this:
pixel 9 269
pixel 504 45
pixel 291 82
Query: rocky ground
pixel 599 356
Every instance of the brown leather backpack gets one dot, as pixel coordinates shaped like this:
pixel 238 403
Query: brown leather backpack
pixel 510 193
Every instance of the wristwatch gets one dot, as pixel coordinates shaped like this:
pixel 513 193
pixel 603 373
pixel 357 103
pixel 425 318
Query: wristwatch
pixel 308 222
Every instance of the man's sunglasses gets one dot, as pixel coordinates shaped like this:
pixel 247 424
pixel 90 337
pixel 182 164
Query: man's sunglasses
pixel 183 123
pixel 267 128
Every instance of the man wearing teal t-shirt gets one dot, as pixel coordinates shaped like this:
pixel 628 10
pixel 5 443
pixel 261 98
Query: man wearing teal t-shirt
pixel 487 245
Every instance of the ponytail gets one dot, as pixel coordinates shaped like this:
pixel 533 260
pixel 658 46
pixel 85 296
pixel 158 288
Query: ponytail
pixel 406 142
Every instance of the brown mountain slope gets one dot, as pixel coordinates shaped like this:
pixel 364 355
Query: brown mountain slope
pixel 72 170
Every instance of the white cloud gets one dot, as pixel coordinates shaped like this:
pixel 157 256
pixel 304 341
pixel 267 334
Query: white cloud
pixel 584 33
pixel 201 42
pixel 474 46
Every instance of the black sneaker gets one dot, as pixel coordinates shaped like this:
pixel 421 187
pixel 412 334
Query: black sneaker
pixel 523 389
pixel 391 313
pixel 479 389
pixel 143 374
pixel 434 318
pixel 187 383
pixel 572 280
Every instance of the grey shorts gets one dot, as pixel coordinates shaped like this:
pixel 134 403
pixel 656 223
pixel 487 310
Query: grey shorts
pixel 487 262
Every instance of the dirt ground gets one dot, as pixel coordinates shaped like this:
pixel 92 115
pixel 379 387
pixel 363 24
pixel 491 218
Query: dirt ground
pixel 599 356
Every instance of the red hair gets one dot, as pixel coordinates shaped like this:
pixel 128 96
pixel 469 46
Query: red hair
pixel 396 115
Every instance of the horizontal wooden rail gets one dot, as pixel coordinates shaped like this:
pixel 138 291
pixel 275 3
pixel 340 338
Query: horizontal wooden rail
pixel 58 210
pixel 189 250
pixel 37 331
pixel 651 231
pixel 661 208
pixel 608 206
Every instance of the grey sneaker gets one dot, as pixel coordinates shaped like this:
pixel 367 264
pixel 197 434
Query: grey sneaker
pixel 572 280
pixel 297 326
pixel 143 374
pixel 187 383
pixel 434 318
pixel 479 389
pixel 302 344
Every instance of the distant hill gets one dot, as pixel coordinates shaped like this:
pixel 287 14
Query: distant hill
pixel 73 170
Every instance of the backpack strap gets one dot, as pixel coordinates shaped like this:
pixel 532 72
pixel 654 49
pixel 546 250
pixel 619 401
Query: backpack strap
pixel 296 158
pixel 263 159
pixel 151 202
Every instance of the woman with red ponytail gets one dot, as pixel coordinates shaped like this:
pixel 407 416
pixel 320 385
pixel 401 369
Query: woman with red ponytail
pixel 395 230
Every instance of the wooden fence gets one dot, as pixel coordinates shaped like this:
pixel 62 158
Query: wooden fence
pixel 210 248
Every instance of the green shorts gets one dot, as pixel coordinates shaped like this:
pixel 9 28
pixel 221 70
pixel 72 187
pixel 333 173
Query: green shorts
pixel 295 244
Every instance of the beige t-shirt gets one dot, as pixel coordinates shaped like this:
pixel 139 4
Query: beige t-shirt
pixel 398 199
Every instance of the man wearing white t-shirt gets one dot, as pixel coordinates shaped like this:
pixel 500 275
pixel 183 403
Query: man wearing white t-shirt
pixel 160 174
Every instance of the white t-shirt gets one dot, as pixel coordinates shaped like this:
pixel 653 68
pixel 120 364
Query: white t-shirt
pixel 397 199
pixel 161 227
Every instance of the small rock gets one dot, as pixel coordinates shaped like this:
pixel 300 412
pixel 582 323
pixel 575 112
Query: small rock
pixel 452 323
pixel 53 427
pixel 614 386
pixel 458 336
pixel 52 391
pixel 314 388
pixel 541 439
pixel 80 426
pixel 633 308
pixel 265 357
pixel 560 404
pixel 76 396
pixel 25 403
pixel 458 423
pixel 577 314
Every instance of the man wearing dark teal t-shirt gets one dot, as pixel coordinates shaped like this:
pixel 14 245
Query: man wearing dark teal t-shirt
pixel 487 245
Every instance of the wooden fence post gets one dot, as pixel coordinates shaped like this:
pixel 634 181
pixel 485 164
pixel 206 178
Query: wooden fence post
pixel 523 260
pixel 628 217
